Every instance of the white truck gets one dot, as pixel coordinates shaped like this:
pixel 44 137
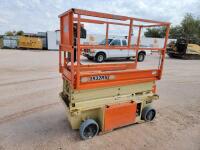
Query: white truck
pixel 100 55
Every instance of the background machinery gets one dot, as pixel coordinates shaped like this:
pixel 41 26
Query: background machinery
pixel 181 49
pixel 102 97
pixel 27 42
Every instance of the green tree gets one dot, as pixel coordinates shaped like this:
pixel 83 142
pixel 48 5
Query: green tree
pixel 9 33
pixel 20 32
pixel 190 25
pixel 12 33
pixel 198 22
pixel 189 29
pixel 176 32
pixel 158 32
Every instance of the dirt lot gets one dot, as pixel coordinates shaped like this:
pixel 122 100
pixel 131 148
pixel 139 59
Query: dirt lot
pixel 33 117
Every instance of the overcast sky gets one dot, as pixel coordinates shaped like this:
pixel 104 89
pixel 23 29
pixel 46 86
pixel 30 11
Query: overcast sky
pixel 42 15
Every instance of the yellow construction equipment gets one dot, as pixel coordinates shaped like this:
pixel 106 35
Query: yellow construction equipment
pixel 194 48
pixel 182 50
pixel 30 42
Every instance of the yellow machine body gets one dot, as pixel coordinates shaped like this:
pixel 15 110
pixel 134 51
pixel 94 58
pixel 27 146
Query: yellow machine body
pixel 84 104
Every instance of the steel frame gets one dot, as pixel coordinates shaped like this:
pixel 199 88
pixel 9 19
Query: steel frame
pixel 124 73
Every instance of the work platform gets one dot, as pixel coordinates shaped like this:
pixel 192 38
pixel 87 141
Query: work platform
pixel 103 97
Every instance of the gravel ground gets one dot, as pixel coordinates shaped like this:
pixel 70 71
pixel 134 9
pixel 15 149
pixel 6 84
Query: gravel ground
pixel 33 117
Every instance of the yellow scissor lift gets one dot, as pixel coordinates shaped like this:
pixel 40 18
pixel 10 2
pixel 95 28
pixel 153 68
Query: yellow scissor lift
pixel 103 97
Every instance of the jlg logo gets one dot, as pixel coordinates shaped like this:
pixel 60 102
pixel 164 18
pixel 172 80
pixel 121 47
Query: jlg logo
pixel 95 78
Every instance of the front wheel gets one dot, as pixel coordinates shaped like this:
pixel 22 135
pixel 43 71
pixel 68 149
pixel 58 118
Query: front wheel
pixel 88 129
pixel 100 57
pixel 148 114
pixel 141 57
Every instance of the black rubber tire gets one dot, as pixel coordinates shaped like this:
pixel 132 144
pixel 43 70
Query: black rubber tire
pixel 141 57
pixel 100 57
pixel 148 113
pixel 88 129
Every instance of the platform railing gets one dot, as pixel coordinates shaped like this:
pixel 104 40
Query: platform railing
pixel 74 72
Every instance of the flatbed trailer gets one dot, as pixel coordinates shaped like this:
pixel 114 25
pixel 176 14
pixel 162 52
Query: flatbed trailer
pixel 102 97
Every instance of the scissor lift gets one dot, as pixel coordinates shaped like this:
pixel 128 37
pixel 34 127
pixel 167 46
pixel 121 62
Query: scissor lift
pixel 103 97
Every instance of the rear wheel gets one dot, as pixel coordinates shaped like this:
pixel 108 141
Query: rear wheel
pixel 141 57
pixel 88 129
pixel 100 57
pixel 148 114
